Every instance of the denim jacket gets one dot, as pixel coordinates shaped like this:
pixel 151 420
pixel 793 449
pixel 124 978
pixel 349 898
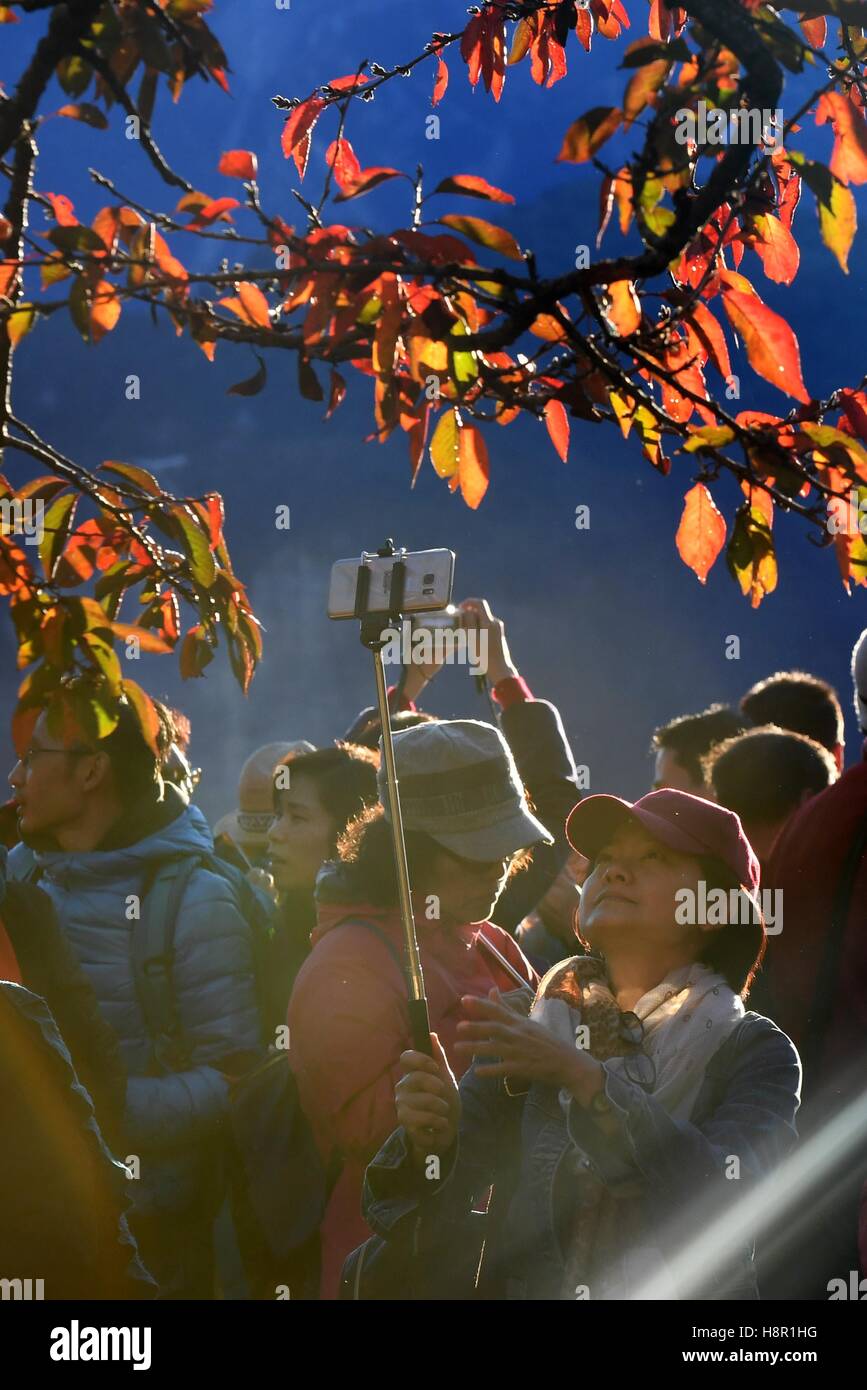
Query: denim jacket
pixel 687 1176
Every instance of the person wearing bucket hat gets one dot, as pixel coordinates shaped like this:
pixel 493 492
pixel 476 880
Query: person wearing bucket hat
pixel 247 826
pixel 467 826
pixel 610 1119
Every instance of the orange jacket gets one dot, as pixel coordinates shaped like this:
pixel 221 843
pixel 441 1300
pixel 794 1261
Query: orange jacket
pixel 348 1025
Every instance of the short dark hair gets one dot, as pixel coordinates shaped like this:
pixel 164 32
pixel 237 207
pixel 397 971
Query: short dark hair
pixel 367 854
pixel 797 701
pixel 135 766
pixel 370 734
pixel 691 736
pixel 345 778
pixel 762 774
pixel 737 949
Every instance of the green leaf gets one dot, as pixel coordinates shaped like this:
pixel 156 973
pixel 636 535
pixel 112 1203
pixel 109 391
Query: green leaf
pixel 77 238
pixel 650 51
pixel 133 474
pixel 709 436
pixel 56 525
pixel 202 565
pixel 74 75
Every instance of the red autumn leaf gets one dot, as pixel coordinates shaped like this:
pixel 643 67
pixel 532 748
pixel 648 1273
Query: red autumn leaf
pixel 849 160
pixel 238 164
pixel 770 343
pixel 557 424
pixel 342 158
pixel 342 84
pixel 815 30
pixel 701 534
pixel 366 180
pixel 296 131
pixel 441 82
pixel 584 29
pixel 854 405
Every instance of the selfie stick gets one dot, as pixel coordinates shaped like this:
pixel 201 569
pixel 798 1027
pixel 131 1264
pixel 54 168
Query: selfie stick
pixel 372 625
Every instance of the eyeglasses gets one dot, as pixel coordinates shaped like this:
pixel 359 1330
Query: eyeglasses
pixel 26 759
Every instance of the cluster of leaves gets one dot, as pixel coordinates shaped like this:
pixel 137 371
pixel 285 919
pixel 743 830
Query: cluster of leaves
pixel 447 316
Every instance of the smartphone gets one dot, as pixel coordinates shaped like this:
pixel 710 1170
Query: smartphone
pixel 427 586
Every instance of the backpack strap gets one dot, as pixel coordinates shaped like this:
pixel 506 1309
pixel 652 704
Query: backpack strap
pixel 377 931
pixel 822 1004
pixel 152 951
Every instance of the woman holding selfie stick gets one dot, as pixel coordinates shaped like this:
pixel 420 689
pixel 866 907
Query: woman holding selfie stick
pixel 621 1123
pixel 468 827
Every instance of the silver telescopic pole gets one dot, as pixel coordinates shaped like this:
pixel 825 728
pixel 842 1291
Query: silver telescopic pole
pixel 417 1001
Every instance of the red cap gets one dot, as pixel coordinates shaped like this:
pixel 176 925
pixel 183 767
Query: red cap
pixel 684 822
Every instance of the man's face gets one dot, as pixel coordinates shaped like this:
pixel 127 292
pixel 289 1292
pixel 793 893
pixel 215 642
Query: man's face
pixel 300 838
pixel 631 890
pixel 670 772
pixel 48 784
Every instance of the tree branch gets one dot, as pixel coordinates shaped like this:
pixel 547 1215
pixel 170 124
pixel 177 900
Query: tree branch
pixel 69 24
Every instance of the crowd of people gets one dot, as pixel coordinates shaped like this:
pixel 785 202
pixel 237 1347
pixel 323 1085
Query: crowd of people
pixel 641 1083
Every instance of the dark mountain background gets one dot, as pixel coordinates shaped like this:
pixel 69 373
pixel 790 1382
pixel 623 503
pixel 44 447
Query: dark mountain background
pixel 606 622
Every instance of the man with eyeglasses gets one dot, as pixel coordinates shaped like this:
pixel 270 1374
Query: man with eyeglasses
pixel 98 823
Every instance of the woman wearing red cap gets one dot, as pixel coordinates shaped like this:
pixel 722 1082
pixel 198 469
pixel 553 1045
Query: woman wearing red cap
pixel 627 1123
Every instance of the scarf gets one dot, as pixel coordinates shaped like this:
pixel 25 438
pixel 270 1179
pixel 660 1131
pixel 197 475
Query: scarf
pixel 665 1045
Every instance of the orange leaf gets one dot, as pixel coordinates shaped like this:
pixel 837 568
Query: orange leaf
pixel 147 716
pixel 485 233
pixel 62 207
pixel 557 423
pixel 621 308
pixel 701 534
pixel 238 164
pixel 849 160
pixel 584 136
pixel 642 89
pixel 777 248
pixel 472 465
pixel 471 186
pixel 211 212
pixel 711 334
pixel 771 345
pixel 251 306
pixel 104 310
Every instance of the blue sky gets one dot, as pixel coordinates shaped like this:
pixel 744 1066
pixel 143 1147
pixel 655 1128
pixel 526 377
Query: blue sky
pixel 607 622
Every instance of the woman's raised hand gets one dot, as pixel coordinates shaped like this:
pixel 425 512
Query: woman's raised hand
pixel 427 1101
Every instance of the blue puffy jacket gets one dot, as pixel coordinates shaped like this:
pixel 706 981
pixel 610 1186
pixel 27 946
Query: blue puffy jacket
pixel 171 1121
